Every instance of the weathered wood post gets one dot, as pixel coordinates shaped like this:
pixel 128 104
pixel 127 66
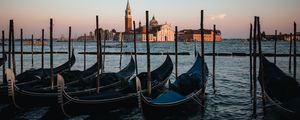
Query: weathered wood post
pixel 4 55
pixel 121 53
pixel 251 61
pixel 9 44
pixel 290 54
pixel 260 63
pixel 43 40
pixel 69 45
pixel 202 49
pixel 13 47
pixel 148 54
pixel 51 53
pixel 98 56
pixel 104 49
pixel 32 59
pixel 214 60
pixel 275 47
pixel 134 41
pixel 176 52
pixel 84 52
pixel 295 49
pixel 21 50
pixel 254 66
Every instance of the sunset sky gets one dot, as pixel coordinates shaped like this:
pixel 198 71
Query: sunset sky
pixel 232 17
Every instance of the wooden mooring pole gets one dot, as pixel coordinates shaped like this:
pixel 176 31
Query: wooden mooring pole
pixel 84 54
pixel 275 47
pixel 69 45
pixel 21 45
pixel 9 44
pixel 214 60
pixel 120 62
pixel 295 50
pixel 254 67
pixel 51 53
pixel 176 52
pixel 32 59
pixel 98 56
pixel 3 55
pixel 135 56
pixel 290 54
pixel 13 47
pixel 260 63
pixel 106 32
pixel 251 61
pixel 43 39
pixel 148 54
pixel 202 50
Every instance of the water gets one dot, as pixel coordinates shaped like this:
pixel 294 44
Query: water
pixel 232 100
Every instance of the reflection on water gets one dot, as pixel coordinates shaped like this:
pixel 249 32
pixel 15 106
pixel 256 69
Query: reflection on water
pixel 232 100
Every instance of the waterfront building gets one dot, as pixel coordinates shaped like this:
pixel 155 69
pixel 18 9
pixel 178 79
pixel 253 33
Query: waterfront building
pixel 89 37
pixel 157 32
pixel 286 37
pixel 188 35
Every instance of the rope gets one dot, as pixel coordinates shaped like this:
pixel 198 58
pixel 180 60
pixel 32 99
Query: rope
pixel 196 99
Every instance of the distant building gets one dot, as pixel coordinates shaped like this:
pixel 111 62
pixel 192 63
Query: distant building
pixel 189 35
pixel 286 37
pixel 128 18
pixel 89 37
pixel 157 32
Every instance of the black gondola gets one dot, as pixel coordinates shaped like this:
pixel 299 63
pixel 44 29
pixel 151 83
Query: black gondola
pixel 28 96
pixel 41 74
pixel 182 96
pixel 113 98
pixel 34 76
pixel 282 90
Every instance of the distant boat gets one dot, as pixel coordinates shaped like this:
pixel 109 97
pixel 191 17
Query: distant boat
pixel 36 42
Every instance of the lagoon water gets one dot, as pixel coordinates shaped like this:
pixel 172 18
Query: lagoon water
pixel 231 101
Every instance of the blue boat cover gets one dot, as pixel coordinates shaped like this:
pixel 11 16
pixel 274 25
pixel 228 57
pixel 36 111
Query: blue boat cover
pixel 167 97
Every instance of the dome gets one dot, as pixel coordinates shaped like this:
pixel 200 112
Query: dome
pixel 153 22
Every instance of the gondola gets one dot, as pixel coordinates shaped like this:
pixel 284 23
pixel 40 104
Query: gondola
pixel 34 76
pixel 3 60
pixel 41 74
pixel 281 90
pixel 182 96
pixel 113 98
pixel 28 96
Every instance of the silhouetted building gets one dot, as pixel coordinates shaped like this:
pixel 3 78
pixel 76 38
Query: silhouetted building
pixel 286 37
pixel 189 35
pixel 89 37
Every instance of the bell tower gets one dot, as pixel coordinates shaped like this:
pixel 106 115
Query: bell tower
pixel 128 18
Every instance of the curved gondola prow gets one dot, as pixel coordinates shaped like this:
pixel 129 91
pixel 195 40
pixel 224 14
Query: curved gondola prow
pixel 129 67
pixel 127 72
pixel 91 71
pixel 273 75
pixel 60 90
pixel 11 79
pixel 158 71
pixel 66 65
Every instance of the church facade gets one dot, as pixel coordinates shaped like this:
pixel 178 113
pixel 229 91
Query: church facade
pixel 157 32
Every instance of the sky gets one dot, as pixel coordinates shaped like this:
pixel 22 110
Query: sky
pixel 232 17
